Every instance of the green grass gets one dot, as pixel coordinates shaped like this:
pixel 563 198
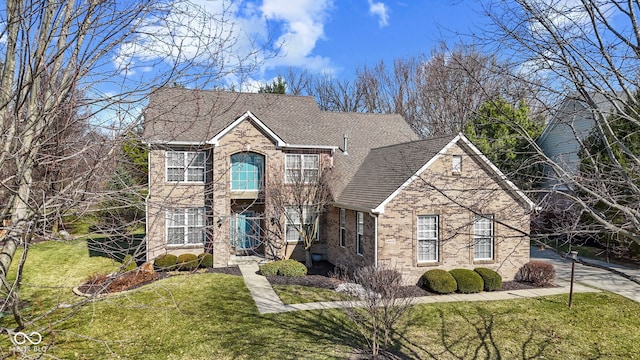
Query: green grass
pixel 212 316
pixel 296 294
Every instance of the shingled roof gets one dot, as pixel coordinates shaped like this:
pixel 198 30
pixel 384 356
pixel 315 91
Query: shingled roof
pixel 177 115
pixel 385 169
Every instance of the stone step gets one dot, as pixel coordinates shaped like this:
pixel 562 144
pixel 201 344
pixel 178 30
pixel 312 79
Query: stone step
pixel 247 260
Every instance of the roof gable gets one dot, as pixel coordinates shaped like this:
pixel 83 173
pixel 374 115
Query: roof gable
pixel 386 172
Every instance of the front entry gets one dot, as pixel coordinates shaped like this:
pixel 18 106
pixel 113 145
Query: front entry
pixel 245 233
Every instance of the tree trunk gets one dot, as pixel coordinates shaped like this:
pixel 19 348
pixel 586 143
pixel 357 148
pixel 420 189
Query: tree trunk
pixel 307 258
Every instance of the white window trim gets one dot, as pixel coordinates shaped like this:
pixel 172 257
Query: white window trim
pixel 185 226
pixel 342 228
pixel 359 233
pixel 476 236
pixel 185 176
pixel 261 175
pixel 302 168
pixel 436 240
pixel 286 223
pixel 456 164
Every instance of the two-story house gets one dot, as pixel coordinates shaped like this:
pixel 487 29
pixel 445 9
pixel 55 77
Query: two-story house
pixel 395 200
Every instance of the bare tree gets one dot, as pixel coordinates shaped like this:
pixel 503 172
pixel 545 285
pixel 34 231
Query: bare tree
pixel 383 300
pixel 74 75
pixel 300 197
pixel 586 52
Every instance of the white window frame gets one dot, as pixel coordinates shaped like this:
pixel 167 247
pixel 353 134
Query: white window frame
pixel 188 224
pixel 456 164
pixel 483 237
pixel 187 157
pixel 303 172
pixel 290 220
pixel 343 227
pixel 359 233
pixel 260 170
pixel 428 235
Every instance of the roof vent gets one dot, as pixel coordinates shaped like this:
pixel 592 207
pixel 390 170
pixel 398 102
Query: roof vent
pixel 344 144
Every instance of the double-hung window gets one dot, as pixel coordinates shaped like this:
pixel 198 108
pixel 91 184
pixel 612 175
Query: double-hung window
pixel 343 228
pixel 185 166
pixel 427 238
pixel 299 220
pixel 483 240
pixel 185 226
pixel 301 168
pixel 359 233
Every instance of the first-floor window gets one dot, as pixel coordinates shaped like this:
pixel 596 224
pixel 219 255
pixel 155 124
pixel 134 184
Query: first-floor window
pixel 299 219
pixel 427 238
pixel 483 237
pixel 343 229
pixel 359 233
pixel 185 226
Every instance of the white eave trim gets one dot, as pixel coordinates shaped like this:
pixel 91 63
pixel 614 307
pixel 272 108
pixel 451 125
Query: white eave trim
pixel 532 206
pixel 248 115
pixel 176 143
pixel 321 147
pixel 380 208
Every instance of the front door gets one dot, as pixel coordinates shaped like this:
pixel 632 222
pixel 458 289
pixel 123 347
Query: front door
pixel 245 231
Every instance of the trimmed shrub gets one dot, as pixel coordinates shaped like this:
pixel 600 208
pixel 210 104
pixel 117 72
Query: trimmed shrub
pixel 468 281
pixel 165 262
pixel 187 262
pixel 291 267
pixel 270 269
pixel 538 272
pixel 492 280
pixel 129 263
pixel 205 260
pixel 439 281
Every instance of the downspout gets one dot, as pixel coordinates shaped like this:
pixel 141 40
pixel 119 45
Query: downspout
pixel 146 205
pixel 375 238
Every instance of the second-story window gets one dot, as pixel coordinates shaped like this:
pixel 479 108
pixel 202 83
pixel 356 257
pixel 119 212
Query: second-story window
pixel 301 168
pixel 247 170
pixel 185 166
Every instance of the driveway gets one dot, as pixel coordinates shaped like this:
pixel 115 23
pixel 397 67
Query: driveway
pixel 592 276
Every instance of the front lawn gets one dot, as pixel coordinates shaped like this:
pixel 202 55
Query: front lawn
pixel 212 316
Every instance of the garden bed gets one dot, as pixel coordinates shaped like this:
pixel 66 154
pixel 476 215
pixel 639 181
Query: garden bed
pixel 115 283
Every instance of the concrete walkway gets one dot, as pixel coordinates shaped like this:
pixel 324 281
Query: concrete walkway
pixel 593 276
pixel 268 302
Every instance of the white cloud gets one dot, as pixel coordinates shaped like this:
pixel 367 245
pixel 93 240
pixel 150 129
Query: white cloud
pixel 302 24
pixel 380 10
pixel 228 34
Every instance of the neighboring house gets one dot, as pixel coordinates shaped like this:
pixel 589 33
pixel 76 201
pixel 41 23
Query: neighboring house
pixel 399 201
pixel 561 138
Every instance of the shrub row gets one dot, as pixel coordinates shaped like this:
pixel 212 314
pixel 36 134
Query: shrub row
pixel 184 262
pixel 461 280
pixel 472 281
pixel 287 267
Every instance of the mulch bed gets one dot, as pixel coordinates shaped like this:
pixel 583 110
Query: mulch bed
pixel 321 276
pixel 106 284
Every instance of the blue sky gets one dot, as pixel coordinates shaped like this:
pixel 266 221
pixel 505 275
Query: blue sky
pixel 357 32
pixel 334 36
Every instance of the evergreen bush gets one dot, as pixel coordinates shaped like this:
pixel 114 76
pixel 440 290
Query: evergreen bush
pixel 165 262
pixel 492 280
pixel 439 281
pixel 187 262
pixel 468 281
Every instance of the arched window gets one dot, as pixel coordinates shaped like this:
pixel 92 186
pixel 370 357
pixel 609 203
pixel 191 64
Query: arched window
pixel 247 171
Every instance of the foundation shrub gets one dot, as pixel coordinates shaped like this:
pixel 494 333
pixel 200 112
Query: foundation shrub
pixel 492 280
pixel 468 281
pixel 438 281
